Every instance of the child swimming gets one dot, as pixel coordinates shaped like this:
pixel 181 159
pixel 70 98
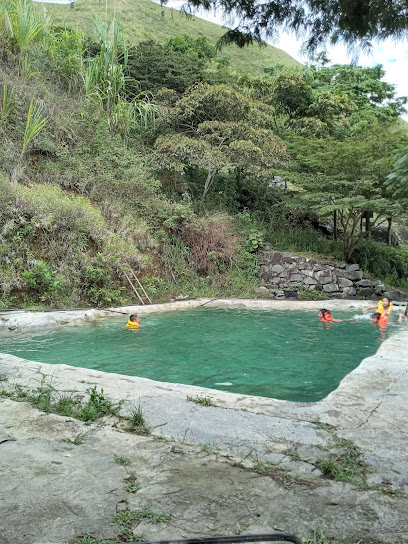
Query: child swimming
pixel 379 319
pixel 326 316
pixel 384 306
pixel 133 322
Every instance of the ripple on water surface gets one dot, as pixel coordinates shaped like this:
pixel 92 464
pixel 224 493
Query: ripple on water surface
pixel 284 355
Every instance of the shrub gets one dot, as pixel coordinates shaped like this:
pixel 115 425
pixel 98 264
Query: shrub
pixel 212 242
pixel 387 263
pixel 42 281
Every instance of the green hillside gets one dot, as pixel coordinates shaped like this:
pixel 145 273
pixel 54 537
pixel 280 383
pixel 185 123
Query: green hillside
pixel 172 164
pixel 145 20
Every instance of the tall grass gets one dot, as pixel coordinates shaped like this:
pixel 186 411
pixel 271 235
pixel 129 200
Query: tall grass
pixel 7 103
pixel 387 263
pixel 291 237
pixel 34 125
pixel 105 74
pixel 23 21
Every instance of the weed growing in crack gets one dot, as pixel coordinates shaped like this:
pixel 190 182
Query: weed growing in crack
pixel 322 425
pixel 78 439
pixel 129 517
pixel 344 466
pixel 98 405
pixel 127 535
pixel 204 401
pixel 318 537
pixel 294 456
pixel 160 438
pixel 136 416
pixel 66 405
pixel 89 538
pixel 4 393
pixel 132 485
pixel 393 492
pixel 124 461
pixel 209 448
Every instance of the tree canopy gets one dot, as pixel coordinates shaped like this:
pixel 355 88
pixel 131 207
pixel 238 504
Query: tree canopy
pixel 355 22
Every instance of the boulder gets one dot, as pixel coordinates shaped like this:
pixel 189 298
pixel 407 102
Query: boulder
pixel 277 269
pixel 330 288
pixel 364 283
pixel 379 289
pixel 323 280
pixel 354 275
pixel 342 265
pixel 262 292
pixel 349 291
pixel 366 292
pixel 310 281
pixel 344 282
pixel 296 277
pixel 352 268
pixel 275 258
pixel 393 295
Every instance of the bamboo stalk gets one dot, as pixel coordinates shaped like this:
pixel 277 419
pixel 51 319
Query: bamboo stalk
pixel 141 286
pixel 134 288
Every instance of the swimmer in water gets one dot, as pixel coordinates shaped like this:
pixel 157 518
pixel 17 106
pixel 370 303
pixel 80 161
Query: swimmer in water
pixel 326 316
pixel 379 319
pixel 384 306
pixel 133 322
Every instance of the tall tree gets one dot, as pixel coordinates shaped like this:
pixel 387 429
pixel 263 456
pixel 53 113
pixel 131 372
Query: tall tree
pixel 214 127
pixel 348 179
pixel 355 22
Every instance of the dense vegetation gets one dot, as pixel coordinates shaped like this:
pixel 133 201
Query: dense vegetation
pixel 163 159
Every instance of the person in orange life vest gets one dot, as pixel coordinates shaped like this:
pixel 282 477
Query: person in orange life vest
pixel 133 322
pixel 379 319
pixel 326 316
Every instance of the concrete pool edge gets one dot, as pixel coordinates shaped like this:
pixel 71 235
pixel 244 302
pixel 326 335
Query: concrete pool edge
pixel 368 407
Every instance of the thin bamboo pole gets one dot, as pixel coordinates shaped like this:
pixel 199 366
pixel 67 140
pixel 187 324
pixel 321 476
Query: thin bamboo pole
pixel 134 288
pixel 141 286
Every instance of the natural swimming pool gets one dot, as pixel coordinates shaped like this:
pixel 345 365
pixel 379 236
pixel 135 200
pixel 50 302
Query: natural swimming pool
pixel 285 355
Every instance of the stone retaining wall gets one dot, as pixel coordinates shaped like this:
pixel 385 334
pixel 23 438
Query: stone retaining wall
pixel 280 272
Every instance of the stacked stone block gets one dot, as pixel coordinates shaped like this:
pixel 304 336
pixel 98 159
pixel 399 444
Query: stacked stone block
pixel 281 272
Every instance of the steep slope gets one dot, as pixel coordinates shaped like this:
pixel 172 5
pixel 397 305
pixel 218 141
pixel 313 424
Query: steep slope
pixel 145 20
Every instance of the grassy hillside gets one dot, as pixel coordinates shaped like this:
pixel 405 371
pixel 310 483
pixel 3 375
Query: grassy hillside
pixel 144 20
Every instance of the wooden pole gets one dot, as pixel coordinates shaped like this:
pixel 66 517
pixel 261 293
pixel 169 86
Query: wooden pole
pixel 134 288
pixel 141 286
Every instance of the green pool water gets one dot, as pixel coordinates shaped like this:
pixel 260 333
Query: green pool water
pixel 283 355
